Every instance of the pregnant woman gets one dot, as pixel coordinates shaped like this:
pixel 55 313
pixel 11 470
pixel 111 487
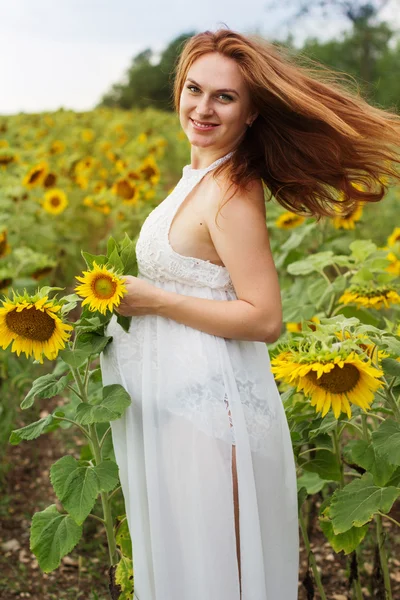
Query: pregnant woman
pixel 204 451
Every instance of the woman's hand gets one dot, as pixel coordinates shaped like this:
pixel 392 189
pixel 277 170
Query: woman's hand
pixel 141 298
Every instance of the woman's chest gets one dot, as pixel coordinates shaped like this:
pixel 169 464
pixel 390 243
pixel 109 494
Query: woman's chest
pixel 188 233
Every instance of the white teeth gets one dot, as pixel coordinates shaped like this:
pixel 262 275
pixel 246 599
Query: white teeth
pixel 201 124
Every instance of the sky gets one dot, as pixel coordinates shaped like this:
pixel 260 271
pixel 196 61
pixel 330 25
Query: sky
pixel 68 53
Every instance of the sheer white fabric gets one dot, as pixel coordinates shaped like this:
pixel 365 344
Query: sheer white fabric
pixel 174 443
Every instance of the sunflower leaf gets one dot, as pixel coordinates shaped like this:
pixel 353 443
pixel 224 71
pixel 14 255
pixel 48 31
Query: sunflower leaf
pixel 115 261
pixel 357 502
pixel 75 358
pixel 128 257
pixel 107 473
pixel 386 441
pixel 123 538
pixel 361 249
pixel 110 406
pixel 111 246
pixel 53 535
pixel 311 481
pixel 92 342
pixel 125 242
pixel 124 577
pixel 99 259
pixel 46 386
pixel 33 430
pixel 325 464
pixel 363 454
pixel 77 486
pixel 125 322
pixel 391 367
pixel 347 541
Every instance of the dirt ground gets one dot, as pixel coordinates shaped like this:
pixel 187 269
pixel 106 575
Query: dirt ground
pixel 83 574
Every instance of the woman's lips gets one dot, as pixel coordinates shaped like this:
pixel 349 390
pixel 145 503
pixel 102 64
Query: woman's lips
pixel 203 128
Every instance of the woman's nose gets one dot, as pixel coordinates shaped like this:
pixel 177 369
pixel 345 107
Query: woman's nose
pixel 204 107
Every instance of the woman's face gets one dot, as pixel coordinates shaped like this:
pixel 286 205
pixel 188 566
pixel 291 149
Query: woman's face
pixel 215 93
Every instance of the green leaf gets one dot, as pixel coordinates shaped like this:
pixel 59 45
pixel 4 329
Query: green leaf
pixel 125 242
pixel 324 425
pixel 347 541
pixel 53 535
pixel 361 249
pixel 115 261
pixel 107 473
pixel 46 386
pixel 124 322
pixel 111 406
pixel 363 454
pixel 75 358
pixel 357 502
pixel 325 464
pixel 311 481
pixel 76 485
pixel 124 578
pixel 32 431
pixel 111 246
pixel 128 257
pixel 391 367
pixel 314 262
pixel 386 441
pixel 92 342
pixel 100 259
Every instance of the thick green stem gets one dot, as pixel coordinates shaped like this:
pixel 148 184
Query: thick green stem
pixel 383 556
pixel 311 557
pixel 105 501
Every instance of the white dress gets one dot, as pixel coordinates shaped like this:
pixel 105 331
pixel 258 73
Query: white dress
pixel 173 445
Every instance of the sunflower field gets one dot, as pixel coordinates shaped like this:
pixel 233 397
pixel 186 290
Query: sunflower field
pixel 75 189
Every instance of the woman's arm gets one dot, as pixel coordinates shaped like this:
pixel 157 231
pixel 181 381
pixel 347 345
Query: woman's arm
pixel 242 243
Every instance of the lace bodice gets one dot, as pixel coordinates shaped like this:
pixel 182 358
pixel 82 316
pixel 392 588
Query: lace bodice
pixel 156 258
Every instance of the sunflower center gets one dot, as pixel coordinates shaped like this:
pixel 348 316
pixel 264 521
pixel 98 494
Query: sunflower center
pixel 35 176
pixel 147 172
pixel 55 201
pixel 31 323
pixel 338 380
pixel 103 287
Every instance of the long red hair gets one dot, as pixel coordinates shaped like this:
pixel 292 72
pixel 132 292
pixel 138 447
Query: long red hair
pixel 313 137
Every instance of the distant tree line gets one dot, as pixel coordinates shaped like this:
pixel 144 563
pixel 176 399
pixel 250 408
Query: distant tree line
pixel 370 52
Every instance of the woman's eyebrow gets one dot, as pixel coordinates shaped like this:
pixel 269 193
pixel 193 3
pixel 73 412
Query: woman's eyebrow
pixel 223 90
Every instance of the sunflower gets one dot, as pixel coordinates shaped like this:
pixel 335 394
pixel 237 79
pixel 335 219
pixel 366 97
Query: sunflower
pixel 33 327
pixel 36 175
pixel 87 135
pixel 330 380
pixel 57 147
pixel 289 220
pixel 394 237
pixel 370 297
pixel 50 180
pixel 4 245
pixel 99 204
pixel 149 171
pixel 295 327
pixel 348 221
pixel 101 288
pixel 127 190
pixel 55 201
pixel 7 157
pixel 394 266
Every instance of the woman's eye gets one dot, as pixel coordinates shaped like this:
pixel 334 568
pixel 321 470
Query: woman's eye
pixel 193 87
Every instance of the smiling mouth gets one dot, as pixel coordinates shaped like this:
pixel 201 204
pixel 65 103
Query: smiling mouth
pixel 205 125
